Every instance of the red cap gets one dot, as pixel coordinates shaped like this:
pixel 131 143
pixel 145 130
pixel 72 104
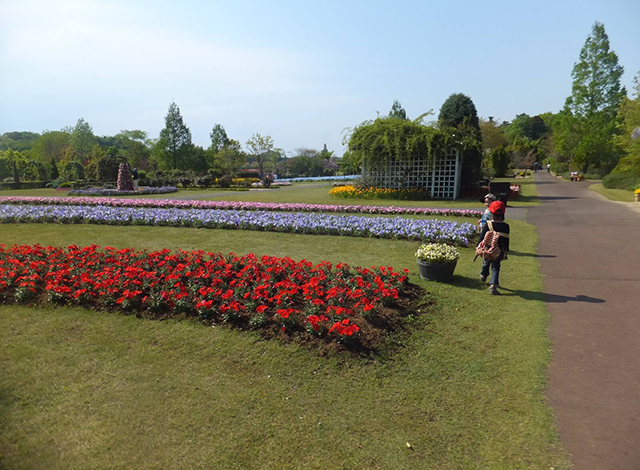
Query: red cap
pixel 497 207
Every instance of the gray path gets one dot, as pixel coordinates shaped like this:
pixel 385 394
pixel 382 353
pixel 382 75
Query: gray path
pixel 589 253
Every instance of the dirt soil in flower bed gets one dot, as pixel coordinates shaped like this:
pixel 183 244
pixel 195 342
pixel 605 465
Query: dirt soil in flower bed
pixel 382 331
pixel 325 307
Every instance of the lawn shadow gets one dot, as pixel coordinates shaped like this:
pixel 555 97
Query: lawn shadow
pixel 533 255
pixel 550 298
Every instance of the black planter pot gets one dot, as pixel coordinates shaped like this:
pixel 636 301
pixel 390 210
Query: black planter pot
pixel 441 272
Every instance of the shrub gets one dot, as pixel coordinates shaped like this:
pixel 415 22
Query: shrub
pixel 225 181
pixel 627 181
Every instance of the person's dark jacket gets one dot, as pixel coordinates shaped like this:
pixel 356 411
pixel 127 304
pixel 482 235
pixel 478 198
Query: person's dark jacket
pixel 503 229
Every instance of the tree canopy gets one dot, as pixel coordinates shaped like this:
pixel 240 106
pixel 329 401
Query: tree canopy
pixel 458 109
pixel 175 138
pixel 588 122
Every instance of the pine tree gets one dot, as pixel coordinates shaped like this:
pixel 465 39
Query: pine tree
pixel 590 112
pixel 175 137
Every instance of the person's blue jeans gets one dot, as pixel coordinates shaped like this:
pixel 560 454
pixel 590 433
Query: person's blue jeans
pixel 495 271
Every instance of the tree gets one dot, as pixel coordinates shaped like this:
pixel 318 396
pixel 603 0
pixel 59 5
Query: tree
pixel 628 129
pixel 492 134
pixel 397 111
pixel 459 112
pixel 174 138
pixel 260 147
pixel 19 141
pixel 230 158
pixel 458 109
pixel 523 125
pixel 218 138
pixel 500 161
pixel 591 110
pixel 82 139
pixel 134 146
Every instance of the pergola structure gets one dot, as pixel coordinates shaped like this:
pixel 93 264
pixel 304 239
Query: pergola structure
pixel 440 178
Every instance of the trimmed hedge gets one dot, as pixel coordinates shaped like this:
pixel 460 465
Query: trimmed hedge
pixel 627 181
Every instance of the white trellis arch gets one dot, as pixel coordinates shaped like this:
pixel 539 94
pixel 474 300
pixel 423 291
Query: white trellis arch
pixel 440 179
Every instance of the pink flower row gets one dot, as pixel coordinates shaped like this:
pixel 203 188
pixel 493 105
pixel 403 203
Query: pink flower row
pixel 236 205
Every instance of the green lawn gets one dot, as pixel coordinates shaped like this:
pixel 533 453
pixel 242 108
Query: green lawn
pixel 613 194
pixel 82 389
pixel 310 193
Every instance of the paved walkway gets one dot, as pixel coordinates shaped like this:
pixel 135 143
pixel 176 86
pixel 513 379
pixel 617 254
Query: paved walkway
pixel 589 253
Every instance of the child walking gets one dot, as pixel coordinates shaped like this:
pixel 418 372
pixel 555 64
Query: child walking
pixel 498 225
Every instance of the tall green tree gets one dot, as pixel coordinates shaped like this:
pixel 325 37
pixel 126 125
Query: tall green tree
pixel 219 138
pixel 51 146
pixel 175 138
pixel 492 134
pixel 397 111
pixel 230 158
pixel 82 139
pixel 260 148
pixel 628 138
pixel 590 112
pixel 459 112
pixel 458 109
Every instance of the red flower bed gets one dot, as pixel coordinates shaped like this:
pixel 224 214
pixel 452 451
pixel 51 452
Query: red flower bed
pixel 279 296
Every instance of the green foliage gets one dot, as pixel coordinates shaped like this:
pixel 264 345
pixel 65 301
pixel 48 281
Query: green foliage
pixel 219 138
pixel 627 138
pixel 34 171
pixel 523 125
pixel 260 147
pixel 73 171
pixel 492 135
pixel 588 122
pixel 622 180
pixel 55 174
pixel 596 77
pixel 397 111
pixel 230 158
pixel 457 110
pixel 375 142
pixel 82 139
pixel 175 139
pixel 458 114
pixel 500 161
pixel 51 146
pixel 108 168
pixel 19 141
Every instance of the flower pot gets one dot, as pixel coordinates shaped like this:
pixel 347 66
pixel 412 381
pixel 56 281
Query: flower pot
pixel 441 272
pixel 637 195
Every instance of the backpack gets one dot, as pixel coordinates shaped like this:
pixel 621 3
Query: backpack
pixel 488 248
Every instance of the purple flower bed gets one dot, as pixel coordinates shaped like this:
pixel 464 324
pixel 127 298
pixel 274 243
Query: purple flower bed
pixel 238 205
pixel 426 230
pixel 93 192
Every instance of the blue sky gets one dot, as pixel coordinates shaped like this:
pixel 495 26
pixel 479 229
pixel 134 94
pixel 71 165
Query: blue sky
pixel 301 72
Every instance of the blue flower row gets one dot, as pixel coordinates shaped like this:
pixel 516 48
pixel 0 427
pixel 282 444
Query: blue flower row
pixel 431 230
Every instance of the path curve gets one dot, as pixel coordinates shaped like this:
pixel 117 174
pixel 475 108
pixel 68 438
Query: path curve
pixel 589 254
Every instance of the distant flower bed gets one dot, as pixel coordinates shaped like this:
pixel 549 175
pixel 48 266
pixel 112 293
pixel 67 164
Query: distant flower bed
pixel 320 178
pixel 351 192
pixel 239 205
pixel 279 296
pixel 319 224
pixel 212 188
pixel 115 192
